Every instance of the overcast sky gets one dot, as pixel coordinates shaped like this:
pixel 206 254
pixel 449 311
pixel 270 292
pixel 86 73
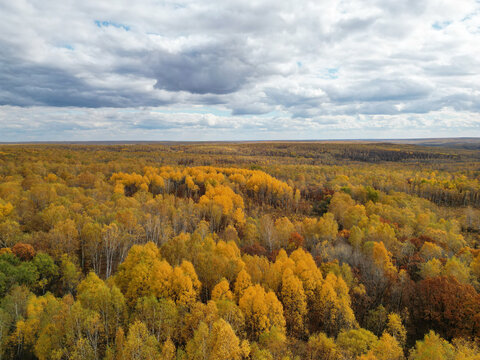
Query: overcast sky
pixel 238 70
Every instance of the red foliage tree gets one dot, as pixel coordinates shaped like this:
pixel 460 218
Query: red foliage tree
pixel 255 249
pixel 24 251
pixel 295 241
pixel 443 304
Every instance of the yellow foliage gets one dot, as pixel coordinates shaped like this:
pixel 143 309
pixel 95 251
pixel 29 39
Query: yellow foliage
pixel 242 283
pixel 221 291
pixel 262 310
pixel 382 258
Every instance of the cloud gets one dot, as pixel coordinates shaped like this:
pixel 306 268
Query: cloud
pixel 381 90
pixel 212 69
pixel 236 68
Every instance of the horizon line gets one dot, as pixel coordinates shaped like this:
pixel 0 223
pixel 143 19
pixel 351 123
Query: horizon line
pixel 234 141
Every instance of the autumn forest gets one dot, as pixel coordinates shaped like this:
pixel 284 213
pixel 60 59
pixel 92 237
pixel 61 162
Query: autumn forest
pixel 230 251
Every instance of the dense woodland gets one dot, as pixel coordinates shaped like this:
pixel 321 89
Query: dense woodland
pixel 239 251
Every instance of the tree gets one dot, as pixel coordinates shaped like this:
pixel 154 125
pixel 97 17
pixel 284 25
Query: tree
pixel 109 302
pixel 23 251
pixel 267 232
pixel 432 347
pixel 168 350
pixel 320 346
pixel 475 267
pixel 91 245
pixel 262 311
pixel 59 328
pixel 283 229
pixel 190 320
pixel 13 309
pixel 294 303
pixel 221 291
pixel 356 342
pixel 243 282
pixel 120 344
pixel 466 350
pixel 140 345
pixel 161 317
pixel 327 227
pixel 332 306
pixel 431 269
pixel 13 271
pixel 376 320
pixel 383 259
pixel 275 341
pixel 454 267
pixel 5 324
pixel 356 237
pixel 430 251
pixel 339 204
pixel 445 305
pixel 387 348
pixel 217 343
pixel 111 244
pixel 354 215
pixel 396 329
pixel 180 288
pixel 69 274
pixel 64 238
pixel 223 343
pixel 47 270
pixel 10 233
pixel 143 273
pixel 231 313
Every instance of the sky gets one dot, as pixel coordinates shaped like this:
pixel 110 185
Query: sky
pixel 238 70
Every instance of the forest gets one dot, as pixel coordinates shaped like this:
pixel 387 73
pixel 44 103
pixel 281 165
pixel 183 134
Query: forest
pixel 247 250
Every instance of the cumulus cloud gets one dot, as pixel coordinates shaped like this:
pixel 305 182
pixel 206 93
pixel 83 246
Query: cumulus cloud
pixel 192 69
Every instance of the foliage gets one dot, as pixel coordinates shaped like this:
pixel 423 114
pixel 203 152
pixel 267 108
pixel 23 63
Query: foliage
pixel 239 251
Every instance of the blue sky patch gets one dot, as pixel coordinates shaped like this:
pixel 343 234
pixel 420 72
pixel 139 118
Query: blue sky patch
pixel 332 73
pixel 111 23
pixel 439 25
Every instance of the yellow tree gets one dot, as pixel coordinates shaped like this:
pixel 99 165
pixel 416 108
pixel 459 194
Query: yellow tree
pixel 143 273
pixel 223 343
pixel 221 291
pixel 356 342
pixel 332 306
pixel 159 315
pixel 262 311
pixel 181 288
pixel 327 227
pixel 283 229
pixel 294 302
pixel 140 345
pixel 231 313
pixel 199 312
pixel 108 301
pixel 320 346
pixel 275 341
pixel 168 350
pixel 432 347
pixel 383 259
pixel 243 282
pixel 387 348
pixel 217 343
pixel 396 329
pixel 430 269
